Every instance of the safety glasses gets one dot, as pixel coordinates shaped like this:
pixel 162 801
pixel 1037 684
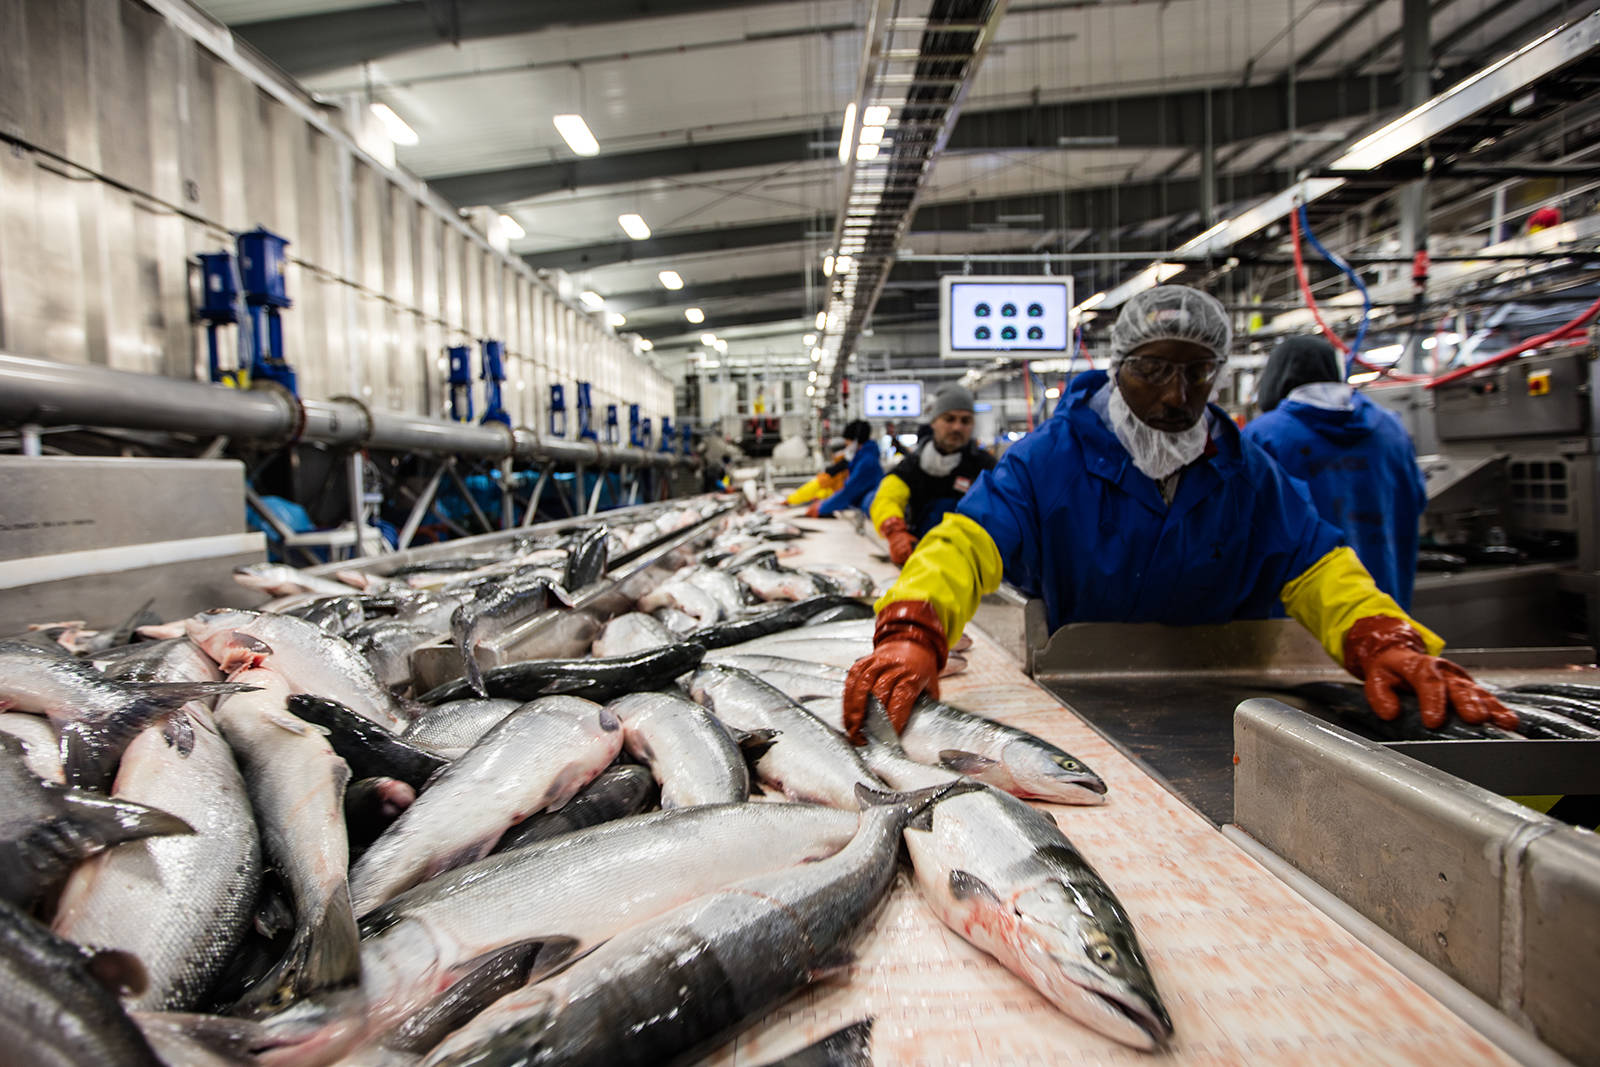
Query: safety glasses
pixel 1157 372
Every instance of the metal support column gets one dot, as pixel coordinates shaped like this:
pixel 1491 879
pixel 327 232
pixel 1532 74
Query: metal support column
pixel 419 511
pixel 594 497
pixel 1208 173
pixel 577 490
pixel 32 441
pixel 358 501
pixel 1416 63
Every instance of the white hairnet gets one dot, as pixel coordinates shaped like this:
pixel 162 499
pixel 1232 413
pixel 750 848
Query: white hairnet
pixel 1171 313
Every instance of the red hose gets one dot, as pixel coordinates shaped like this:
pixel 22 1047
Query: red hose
pixel 1305 287
pixel 1516 350
pixel 1316 312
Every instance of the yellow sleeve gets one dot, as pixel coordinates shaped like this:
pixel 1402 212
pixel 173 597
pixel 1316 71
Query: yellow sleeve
pixel 1335 591
pixel 808 492
pixel 952 568
pixel 893 496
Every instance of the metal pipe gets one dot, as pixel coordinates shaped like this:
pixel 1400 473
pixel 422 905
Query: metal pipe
pixel 32 441
pixel 62 394
pixel 46 393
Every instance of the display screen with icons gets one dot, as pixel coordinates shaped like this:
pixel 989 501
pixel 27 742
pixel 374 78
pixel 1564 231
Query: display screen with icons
pixel 891 400
pixel 1004 314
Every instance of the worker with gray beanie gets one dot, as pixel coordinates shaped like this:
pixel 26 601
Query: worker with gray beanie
pixel 1138 501
pixel 932 479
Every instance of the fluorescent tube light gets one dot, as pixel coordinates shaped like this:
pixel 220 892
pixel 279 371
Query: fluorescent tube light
pixel 575 132
pixel 394 125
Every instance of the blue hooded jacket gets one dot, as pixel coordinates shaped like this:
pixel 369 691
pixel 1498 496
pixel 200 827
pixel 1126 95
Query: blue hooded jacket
pixel 1361 469
pixel 866 471
pixel 1078 524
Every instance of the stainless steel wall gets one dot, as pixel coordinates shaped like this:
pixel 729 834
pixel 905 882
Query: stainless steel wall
pixel 135 136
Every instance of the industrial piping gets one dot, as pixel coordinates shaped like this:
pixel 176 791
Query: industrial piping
pixel 45 393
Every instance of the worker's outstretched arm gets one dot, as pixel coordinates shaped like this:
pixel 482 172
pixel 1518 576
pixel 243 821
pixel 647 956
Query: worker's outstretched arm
pixel 889 517
pixel 863 477
pixel 812 490
pixel 1374 639
pixel 938 591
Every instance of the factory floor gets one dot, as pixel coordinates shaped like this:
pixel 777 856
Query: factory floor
pixel 1251 972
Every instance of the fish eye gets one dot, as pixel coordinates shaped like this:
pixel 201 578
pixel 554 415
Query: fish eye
pixel 1066 764
pixel 1104 954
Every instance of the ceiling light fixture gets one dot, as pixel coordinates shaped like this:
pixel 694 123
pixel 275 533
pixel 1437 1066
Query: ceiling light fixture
pixel 827 266
pixel 872 135
pixel 848 132
pixel 592 299
pixel 634 226
pixel 394 125
pixel 866 153
pixel 876 115
pixel 822 318
pixel 809 339
pixel 694 315
pixel 616 318
pixel 645 344
pixel 575 132
pixel 511 227
pixel 671 279
pixel 709 340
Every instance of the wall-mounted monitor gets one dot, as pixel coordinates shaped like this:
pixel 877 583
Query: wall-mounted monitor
pixel 979 315
pixel 891 400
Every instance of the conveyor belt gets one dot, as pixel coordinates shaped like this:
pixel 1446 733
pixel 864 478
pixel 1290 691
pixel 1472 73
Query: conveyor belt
pixel 1251 972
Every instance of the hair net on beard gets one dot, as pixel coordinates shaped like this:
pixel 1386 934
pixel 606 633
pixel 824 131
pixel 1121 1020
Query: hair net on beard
pixel 1171 313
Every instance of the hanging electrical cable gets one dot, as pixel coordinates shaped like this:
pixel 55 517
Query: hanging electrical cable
pixel 1355 280
pixel 1296 218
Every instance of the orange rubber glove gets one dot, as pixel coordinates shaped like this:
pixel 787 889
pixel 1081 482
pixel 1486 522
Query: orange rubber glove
pixel 901 541
pixel 811 512
pixel 909 650
pixel 1388 655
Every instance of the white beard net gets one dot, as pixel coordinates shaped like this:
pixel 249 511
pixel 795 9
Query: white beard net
pixel 1156 453
pixel 936 463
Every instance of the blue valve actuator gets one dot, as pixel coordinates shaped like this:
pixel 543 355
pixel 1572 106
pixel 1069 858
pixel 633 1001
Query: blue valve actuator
pixel 494 374
pixel 558 411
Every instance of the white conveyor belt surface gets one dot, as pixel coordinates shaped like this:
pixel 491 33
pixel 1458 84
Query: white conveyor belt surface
pixel 1251 972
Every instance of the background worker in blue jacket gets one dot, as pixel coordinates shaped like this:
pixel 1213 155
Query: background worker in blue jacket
pixel 866 471
pixel 1139 502
pixel 1355 457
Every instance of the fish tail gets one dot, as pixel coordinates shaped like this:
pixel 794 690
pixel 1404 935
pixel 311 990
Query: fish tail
pixel 174 695
pixel 913 804
pixel 98 822
pixel 324 955
pixel 463 627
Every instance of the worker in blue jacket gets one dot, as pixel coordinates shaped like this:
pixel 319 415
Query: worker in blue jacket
pixel 866 471
pixel 1139 502
pixel 1355 457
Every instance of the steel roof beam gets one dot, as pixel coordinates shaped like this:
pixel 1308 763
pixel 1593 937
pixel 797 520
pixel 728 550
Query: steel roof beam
pixel 1098 207
pixel 1154 120
pixel 310 44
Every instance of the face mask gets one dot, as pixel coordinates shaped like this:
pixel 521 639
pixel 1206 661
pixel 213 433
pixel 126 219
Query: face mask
pixel 936 463
pixel 1155 452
